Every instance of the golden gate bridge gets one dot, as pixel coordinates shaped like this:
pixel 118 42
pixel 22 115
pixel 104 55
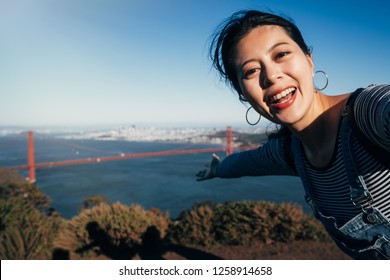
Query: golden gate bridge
pixel 31 165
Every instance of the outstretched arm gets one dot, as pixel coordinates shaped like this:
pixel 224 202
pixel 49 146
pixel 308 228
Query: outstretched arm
pixel 269 159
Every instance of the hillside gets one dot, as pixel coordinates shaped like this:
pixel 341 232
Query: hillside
pixel 22 204
pixel 10 177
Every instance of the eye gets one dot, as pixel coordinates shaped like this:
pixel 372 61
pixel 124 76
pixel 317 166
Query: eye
pixel 250 73
pixel 280 55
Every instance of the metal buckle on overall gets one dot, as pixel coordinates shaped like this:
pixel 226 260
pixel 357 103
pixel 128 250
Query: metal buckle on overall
pixel 360 196
pixel 346 110
pixel 369 214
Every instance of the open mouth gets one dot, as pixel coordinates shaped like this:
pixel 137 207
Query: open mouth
pixel 282 97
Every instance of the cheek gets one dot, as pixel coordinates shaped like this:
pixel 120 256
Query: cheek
pixel 254 96
pixel 303 70
pixel 258 105
pixel 251 90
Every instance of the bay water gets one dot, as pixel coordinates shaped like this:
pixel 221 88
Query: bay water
pixel 164 182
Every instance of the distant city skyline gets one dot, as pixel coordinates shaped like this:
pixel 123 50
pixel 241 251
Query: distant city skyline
pixel 101 63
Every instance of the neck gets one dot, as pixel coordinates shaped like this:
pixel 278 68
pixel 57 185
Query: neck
pixel 318 133
pixel 312 128
pixel 318 137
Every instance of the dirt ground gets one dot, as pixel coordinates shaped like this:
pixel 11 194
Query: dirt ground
pixel 298 250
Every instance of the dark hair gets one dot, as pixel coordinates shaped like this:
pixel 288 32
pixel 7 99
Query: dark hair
pixel 233 29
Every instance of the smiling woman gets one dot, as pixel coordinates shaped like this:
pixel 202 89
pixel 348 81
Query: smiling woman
pixel 330 142
pixel 273 72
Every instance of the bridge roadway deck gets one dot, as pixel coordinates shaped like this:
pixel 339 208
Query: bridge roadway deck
pixel 127 156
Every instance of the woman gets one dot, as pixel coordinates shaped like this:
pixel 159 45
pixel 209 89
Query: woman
pixel 338 145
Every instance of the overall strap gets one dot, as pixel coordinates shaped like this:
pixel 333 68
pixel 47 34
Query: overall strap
pixel 349 130
pixel 297 154
pixel 359 192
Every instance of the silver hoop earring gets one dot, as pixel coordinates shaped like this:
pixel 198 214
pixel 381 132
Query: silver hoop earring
pixel 326 80
pixel 247 119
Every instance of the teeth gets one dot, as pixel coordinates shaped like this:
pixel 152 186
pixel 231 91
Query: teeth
pixel 282 94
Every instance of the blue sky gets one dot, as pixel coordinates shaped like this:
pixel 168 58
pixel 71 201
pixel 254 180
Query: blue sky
pixel 117 62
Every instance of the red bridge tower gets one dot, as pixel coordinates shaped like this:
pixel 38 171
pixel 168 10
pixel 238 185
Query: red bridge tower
pixel 229 141
pixel 31 159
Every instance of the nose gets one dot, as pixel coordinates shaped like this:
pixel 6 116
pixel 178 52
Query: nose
pixel 269 76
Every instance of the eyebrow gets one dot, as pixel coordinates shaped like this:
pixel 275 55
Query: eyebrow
pixel 269 51
pixel 277 45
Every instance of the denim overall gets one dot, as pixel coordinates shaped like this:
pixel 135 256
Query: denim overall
pixel 367 235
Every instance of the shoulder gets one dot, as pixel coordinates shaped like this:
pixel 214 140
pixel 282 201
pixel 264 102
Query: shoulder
pixel 371 105
pixel 370 108
pixel 371 96
pixel 376 89
pixel 372 92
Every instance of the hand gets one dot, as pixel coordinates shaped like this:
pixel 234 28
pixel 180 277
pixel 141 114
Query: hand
pixel 210 171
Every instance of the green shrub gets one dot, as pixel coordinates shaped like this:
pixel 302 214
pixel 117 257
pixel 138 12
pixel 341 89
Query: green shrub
pixel 93 200
pixel 239 223
pixel 194 226
pixel 28 192
pixel 242 223
pixel 26 232
pixel 109 229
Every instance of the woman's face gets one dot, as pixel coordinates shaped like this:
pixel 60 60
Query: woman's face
pixel 275 75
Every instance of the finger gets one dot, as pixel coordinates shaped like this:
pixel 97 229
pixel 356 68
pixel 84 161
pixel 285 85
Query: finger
pixel 215 156
pixel 201 178
pixel 214 160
